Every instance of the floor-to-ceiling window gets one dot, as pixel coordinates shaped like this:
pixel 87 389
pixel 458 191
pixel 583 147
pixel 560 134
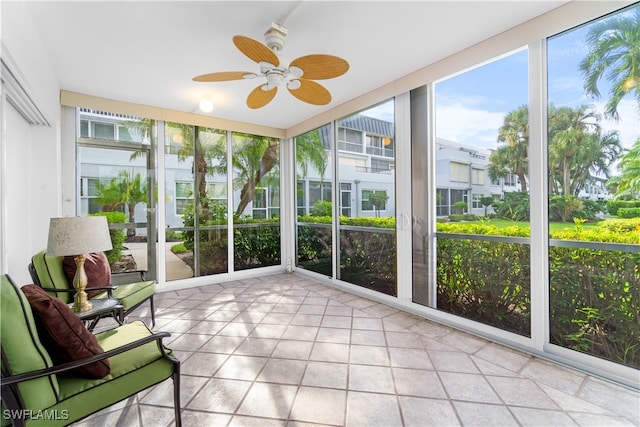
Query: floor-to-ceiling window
pixel 366 199
pixel 115 179
pixel 481 249
pixel 345 181
pixel 256 201
pixel 196 201
pixel 594 188
pixel 314 236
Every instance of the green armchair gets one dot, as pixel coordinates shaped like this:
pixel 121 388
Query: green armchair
pixel 47 272
pixel 36 392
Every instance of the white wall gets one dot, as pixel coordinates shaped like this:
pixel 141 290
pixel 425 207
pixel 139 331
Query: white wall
pixel 30 165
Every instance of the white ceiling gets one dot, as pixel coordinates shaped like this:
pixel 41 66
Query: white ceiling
pixel 147 52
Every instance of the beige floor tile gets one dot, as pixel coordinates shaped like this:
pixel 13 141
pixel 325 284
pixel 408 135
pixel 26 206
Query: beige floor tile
pixel 283 371
pixel 449 361
pixel 372 410
pixel 334 335
pixel 365 337
pixel 369 355
pixel 253 346
pixel 293 349
pixel 468 387
pixel 287 351
pixel 319 405
pixel 521 392
pixel 504 357
pixel 419 383
pixel 241 367
pixel 410 358
pixel 540 417
pixel 325 374
pixel 420 412
pixel 482 415
pixel 330 352
pixel 375 379
pixel 220 396
pixel 268 400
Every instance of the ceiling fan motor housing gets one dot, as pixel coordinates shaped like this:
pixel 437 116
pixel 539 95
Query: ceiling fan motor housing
pixel 275 36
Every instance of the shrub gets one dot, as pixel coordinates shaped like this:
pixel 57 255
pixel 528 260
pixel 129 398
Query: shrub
pixel 629 212
pixel 614 205
pixel 594 292
pixel 565 208
pixel 118 236
pixel 321 208
pixel 514 206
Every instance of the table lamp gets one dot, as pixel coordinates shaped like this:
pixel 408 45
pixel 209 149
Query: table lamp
pixel 77 236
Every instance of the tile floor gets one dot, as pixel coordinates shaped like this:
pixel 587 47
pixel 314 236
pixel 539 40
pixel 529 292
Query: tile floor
pixel 285 350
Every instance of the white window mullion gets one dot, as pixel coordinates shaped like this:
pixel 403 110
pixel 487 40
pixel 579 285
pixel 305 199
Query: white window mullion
pixel 161 215
pixel 538 194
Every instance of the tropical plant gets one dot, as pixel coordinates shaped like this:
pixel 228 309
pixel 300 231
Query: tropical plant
pixel 512 158
pixel 123 189
pixel 486 201
pixel 628 182
pixel 614 53
pixel 578 148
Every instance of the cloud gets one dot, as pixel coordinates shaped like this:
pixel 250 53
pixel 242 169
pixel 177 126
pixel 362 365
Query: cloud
pixel 460 122
pixel 629 125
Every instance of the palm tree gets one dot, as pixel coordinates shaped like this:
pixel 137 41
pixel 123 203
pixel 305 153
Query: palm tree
pixel 123 189
pixel 614 52
pixel 628 182
pixel 513 156
pixel 578 148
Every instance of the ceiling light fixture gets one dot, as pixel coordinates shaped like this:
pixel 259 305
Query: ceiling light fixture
pixel 206 104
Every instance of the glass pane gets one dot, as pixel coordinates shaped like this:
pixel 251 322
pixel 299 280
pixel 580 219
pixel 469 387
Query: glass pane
pixel 482 137
pixel 594 207
pixel 114 183
pixel 196 219
pixel 114 126
pixel 367 233
pixel 313 199
pixel 256 173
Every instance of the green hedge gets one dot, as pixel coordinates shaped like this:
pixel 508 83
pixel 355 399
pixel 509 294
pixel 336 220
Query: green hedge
pixel 614 205
pixel 629 212
pixel 594 293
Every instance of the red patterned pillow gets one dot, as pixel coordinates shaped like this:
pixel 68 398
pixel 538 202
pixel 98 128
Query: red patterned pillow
pixel 63 334
pixel 97 268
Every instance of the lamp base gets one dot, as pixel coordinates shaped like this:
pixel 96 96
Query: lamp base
pixel 78 306
pixel 80 300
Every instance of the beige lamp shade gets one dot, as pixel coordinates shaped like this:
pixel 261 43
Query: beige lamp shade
pixel 78 235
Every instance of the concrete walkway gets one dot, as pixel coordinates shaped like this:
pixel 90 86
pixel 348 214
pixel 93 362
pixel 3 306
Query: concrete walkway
pixel 176 268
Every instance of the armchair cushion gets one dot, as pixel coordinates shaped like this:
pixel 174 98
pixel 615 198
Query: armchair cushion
pixel 97 268
pixel 22 349
pixel 63 334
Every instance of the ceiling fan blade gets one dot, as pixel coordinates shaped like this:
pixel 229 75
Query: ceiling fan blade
pixel 319 67
pixel 224 76
pixel 311 92
pixel 255 50
pixel 259 98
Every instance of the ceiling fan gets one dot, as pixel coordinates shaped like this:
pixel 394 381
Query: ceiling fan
pixel 298 77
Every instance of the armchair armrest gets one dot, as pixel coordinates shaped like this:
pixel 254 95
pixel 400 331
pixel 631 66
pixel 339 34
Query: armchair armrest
pixel 130 276
pixel 158 336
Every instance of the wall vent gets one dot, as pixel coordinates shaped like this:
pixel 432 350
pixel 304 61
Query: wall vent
pixel 18 95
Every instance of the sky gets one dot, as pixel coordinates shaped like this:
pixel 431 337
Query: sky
pixel 470 107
